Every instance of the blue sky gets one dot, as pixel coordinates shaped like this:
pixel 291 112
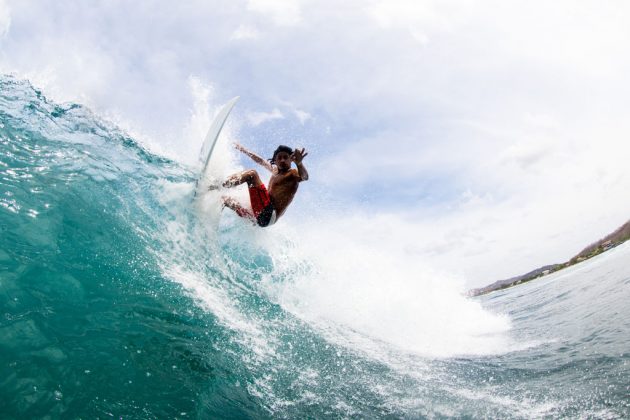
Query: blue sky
pixel 487 138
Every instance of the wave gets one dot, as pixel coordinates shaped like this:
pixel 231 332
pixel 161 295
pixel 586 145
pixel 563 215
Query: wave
pixel 121 300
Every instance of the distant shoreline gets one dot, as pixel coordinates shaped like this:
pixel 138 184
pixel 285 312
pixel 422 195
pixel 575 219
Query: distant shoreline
pixel 619 236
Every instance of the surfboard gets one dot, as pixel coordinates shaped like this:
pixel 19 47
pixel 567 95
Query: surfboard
pixel 206 177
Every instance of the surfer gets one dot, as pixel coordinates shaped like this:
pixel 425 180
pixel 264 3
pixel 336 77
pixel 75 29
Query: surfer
pixel 268 206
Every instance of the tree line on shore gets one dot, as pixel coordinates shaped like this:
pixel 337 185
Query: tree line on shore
pixel 617 237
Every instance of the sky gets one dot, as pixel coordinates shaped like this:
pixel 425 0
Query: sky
pixel 486 138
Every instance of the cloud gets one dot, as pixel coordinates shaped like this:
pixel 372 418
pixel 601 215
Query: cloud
pixel 300 114
pixel 257 118
pixel 245 32
pixel 496 131
pixel 5 18
pixel 526 155
pixel 303 116
pixel 282 12
pixel 402 13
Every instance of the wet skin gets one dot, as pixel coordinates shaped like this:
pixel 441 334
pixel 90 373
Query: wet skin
pixel 283 183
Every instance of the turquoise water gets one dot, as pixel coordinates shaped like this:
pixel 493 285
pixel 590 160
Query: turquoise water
pixel 117 301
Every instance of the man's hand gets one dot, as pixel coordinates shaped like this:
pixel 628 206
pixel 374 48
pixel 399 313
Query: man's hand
pixel 298 155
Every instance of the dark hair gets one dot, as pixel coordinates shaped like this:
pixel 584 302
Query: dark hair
pixel 280 149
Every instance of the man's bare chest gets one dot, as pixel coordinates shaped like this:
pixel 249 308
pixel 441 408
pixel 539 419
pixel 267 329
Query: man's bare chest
pixel 282 181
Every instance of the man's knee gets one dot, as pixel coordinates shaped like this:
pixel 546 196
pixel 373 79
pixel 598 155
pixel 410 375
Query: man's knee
pixel 252 177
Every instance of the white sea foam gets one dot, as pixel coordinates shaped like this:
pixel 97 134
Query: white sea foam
pixel 337 274
pixel 185 260
pixel 360 286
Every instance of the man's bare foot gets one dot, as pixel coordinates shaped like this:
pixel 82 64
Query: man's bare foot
pixel 230 182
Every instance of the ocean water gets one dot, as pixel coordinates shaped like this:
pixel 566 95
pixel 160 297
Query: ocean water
pixel 117 300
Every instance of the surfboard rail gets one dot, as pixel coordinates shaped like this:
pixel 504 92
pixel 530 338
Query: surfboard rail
pixel 211 139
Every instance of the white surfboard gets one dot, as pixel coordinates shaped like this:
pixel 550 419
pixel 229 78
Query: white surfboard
pixel 205 176
pixel 208 201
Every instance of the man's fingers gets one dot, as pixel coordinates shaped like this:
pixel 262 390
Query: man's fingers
pixel 298 154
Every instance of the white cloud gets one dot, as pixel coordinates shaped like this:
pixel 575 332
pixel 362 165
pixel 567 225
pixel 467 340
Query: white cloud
pixel 245 32
pixel 257 118
pixel 303 116
pixel 282 12
pixel 300 114
pixel 402 12
pixel 5 18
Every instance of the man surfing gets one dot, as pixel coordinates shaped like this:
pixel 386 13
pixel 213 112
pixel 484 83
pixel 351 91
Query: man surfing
pixel 268 206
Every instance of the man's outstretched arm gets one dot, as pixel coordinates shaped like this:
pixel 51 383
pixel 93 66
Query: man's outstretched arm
pixel 254 156
pixel 297 157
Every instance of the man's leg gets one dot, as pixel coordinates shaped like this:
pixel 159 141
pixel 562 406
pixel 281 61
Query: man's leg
pixel 232 204
pixel 250 176
pixel 257 201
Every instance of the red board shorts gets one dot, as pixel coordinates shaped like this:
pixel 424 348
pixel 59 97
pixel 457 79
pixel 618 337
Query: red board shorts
pixel 264 212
